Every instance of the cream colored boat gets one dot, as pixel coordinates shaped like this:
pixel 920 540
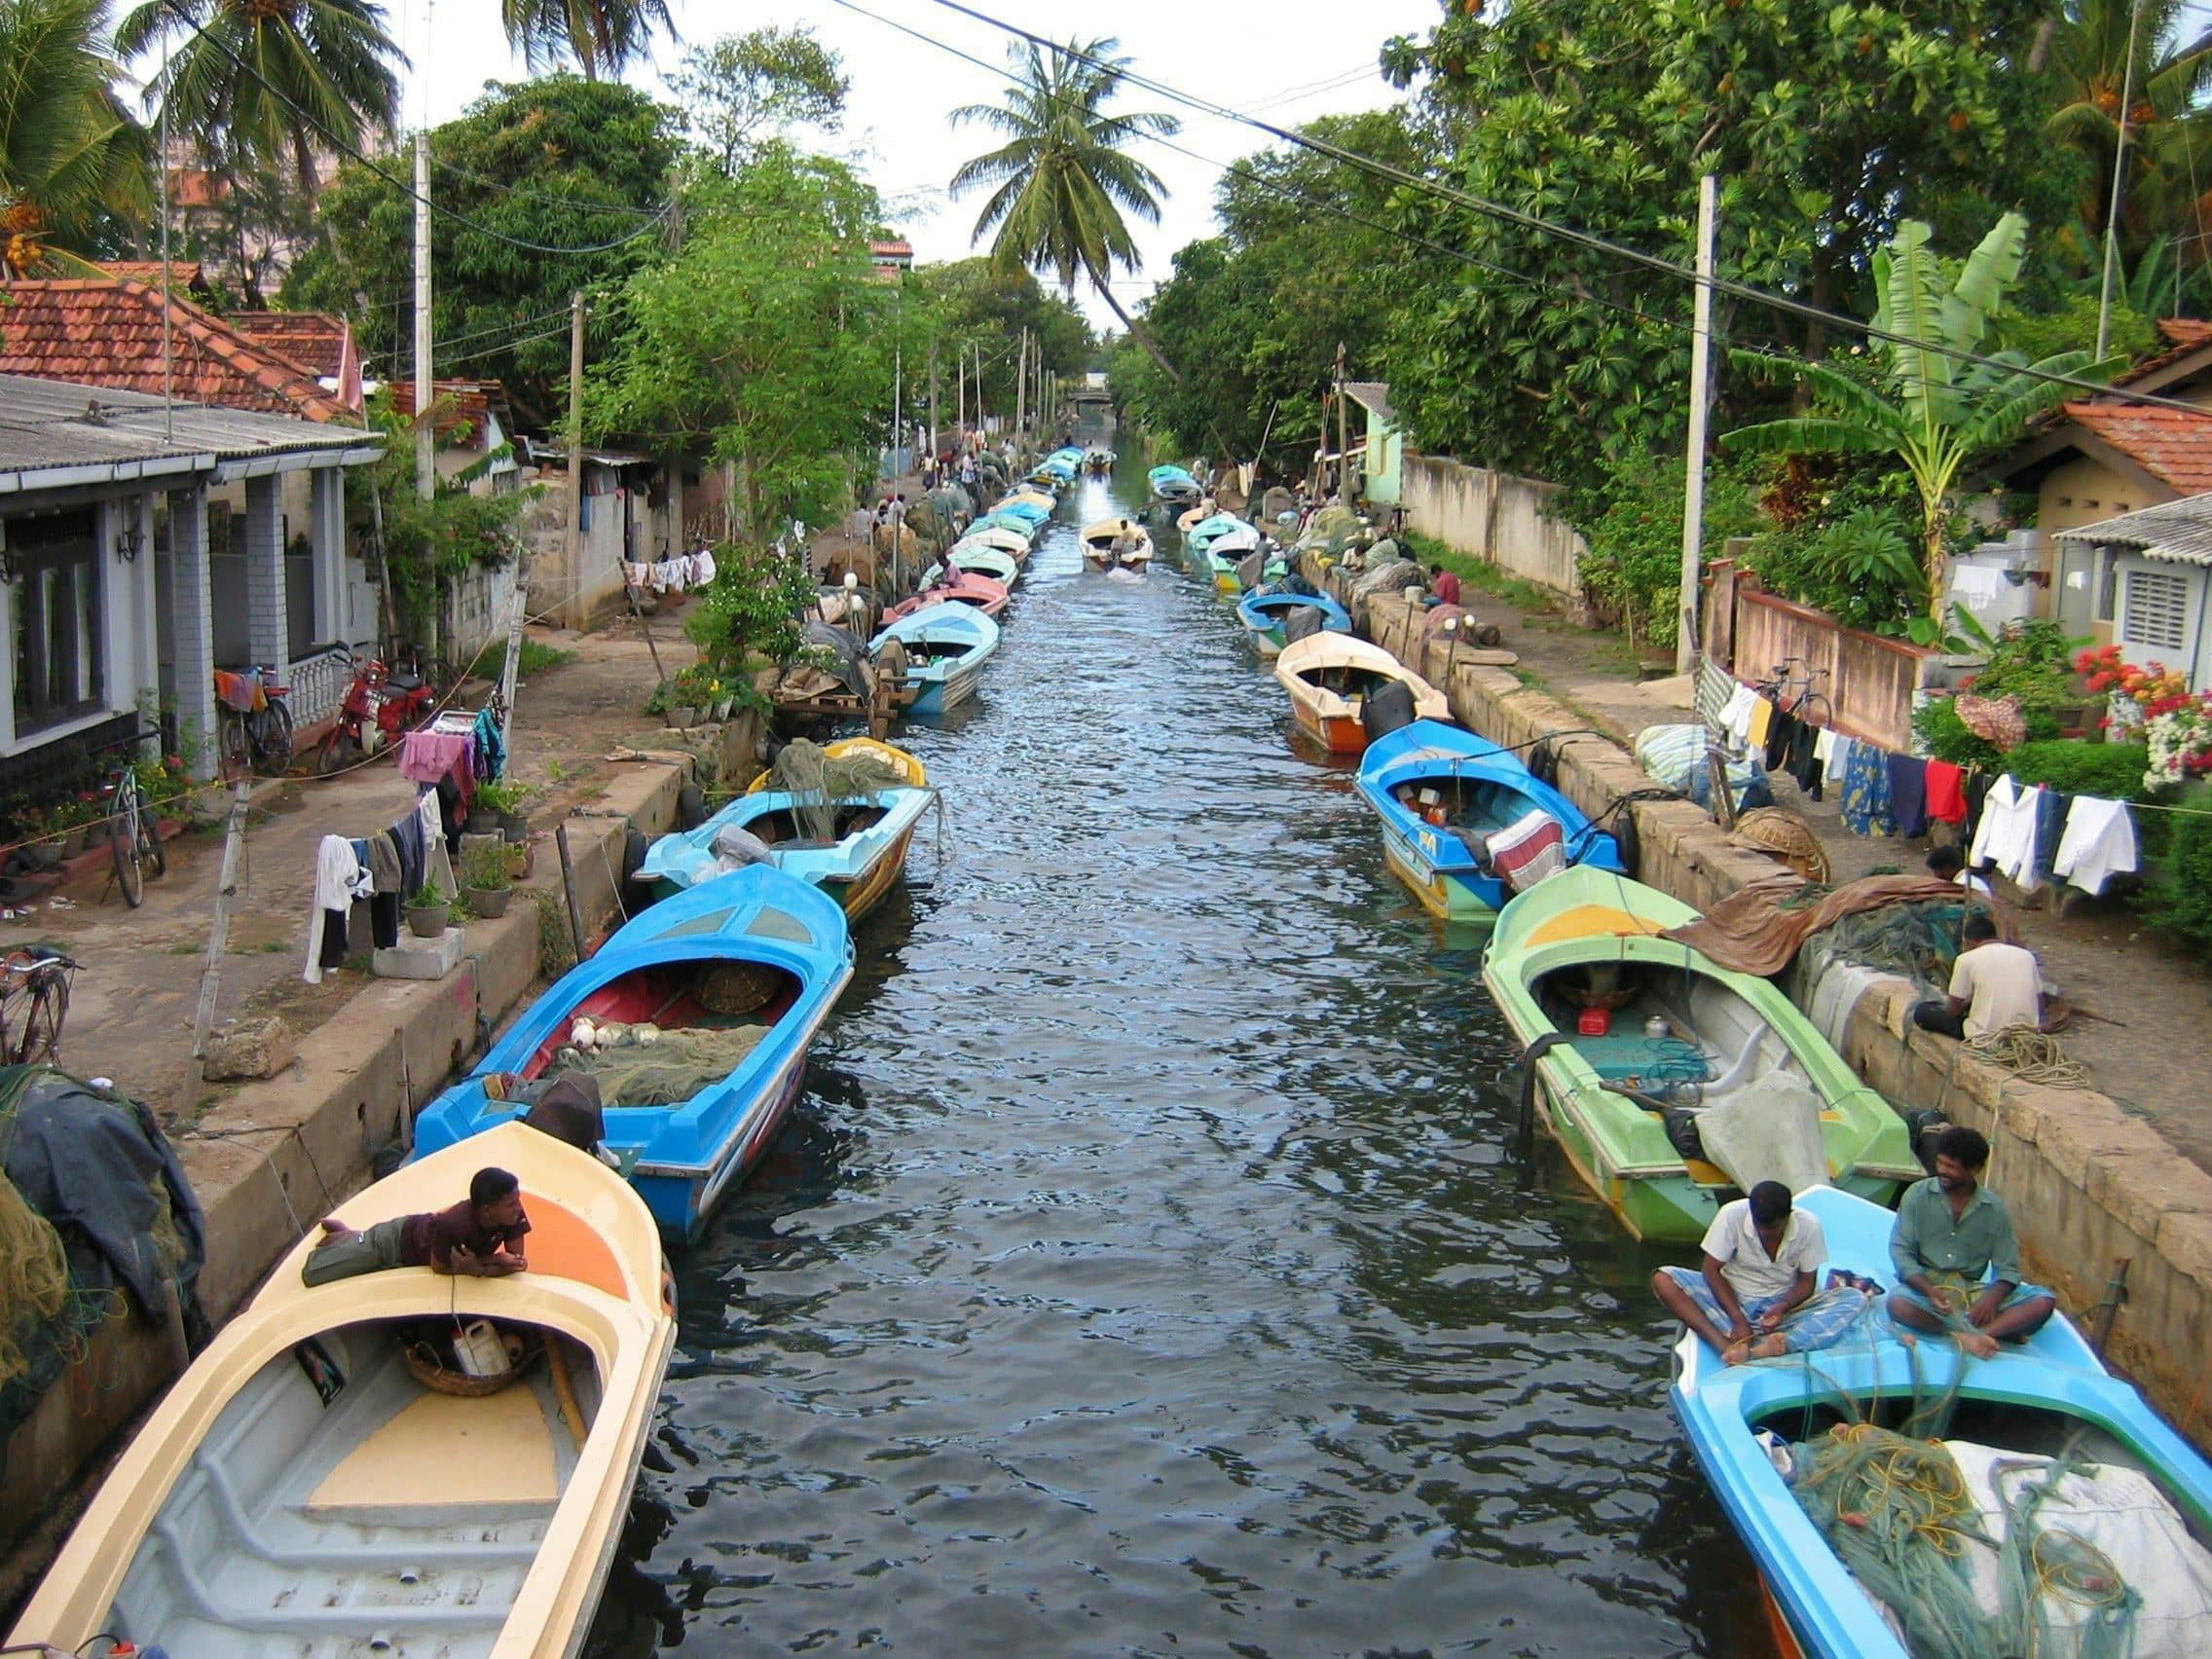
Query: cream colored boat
pixel 1098 545
pixel 299 1491
pixel 1331 676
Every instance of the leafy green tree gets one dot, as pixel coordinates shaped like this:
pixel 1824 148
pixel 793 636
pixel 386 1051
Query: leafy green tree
pixel 738 90
pixel 69 155
pixel 2167 128
pixel 257 81
pixel 1933 411
pixel 1826 123
pixel 981 305
pixel 558 161
pixel 602 38
pixel 1063 180
pixel 762 342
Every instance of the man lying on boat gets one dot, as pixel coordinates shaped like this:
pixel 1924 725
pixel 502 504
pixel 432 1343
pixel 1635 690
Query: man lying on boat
pixel 1956 1256
pixel 1756 1295
pixel 479 1238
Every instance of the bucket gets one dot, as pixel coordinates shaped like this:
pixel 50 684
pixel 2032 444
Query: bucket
pixel 478 1350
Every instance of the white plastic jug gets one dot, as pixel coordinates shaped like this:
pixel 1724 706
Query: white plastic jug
pixel 478 1350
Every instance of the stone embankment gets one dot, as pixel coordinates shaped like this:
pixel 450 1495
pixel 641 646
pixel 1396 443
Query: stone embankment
pixel 2088 1185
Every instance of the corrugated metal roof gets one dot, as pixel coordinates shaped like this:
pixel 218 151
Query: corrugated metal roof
pixel 1372 397
pixel 2179 530
pixel 52 428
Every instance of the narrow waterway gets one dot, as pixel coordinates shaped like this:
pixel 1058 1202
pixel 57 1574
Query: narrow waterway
pixel 1145 1271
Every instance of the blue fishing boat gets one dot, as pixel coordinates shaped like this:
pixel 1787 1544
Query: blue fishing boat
pixel 940 655
pixel 694 1020
pixel 1173 487
pixel 2009 1417
pixel 858 862
pixel 1456 806
pixel 1266 610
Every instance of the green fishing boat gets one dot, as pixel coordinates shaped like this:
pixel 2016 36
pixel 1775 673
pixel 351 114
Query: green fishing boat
pixel 1672 1082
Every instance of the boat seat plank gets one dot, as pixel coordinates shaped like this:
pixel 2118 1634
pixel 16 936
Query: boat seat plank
pixel 447 1453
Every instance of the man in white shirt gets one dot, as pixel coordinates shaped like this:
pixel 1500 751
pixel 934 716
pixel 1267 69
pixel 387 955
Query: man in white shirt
pixel 1994 986
pixel 1750 1297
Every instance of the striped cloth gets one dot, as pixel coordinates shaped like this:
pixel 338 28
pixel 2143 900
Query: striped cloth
pixel 1822 1319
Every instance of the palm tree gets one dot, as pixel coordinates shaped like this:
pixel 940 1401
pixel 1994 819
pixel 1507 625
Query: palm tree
pixel 1936 411
pixel 1062 180
pixel 2089 64
pixel 269 83
pixel 602 37
pixel 67 148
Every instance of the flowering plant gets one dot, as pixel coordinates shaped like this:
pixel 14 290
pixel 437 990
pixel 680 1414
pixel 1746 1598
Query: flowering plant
pixel 2177 722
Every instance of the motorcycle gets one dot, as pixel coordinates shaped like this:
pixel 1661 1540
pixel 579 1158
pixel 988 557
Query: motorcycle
pixel 380 705
pixel 253 724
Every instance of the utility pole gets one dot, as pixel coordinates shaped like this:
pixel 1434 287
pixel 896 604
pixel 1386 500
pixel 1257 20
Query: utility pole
pixel 2119 184
pixel 573 532
pixel 1020 385
pixel 933 400
pixel 960 389
pixel 897 406
pixel 1343 434
pixel 1693 462
pixel 426 467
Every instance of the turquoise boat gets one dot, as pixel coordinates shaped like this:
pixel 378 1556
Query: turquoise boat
pixel 1172 486
pixel 1201 535
pixel 983 560
pixel 941 652
pixel 1265 610
pixel 2009 1417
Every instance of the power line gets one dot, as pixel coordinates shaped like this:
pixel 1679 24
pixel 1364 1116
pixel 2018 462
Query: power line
pixel 1566 233
pixel 525 195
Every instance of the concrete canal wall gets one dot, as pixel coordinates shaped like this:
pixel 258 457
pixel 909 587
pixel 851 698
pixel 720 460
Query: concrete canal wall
pixel 276 1156
pixel 2086 1183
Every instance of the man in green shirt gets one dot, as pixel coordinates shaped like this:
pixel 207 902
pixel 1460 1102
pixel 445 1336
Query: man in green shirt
pixel 1956 1257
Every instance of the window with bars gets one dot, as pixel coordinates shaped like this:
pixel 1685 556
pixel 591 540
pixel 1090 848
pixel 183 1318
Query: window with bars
pixel 2155 610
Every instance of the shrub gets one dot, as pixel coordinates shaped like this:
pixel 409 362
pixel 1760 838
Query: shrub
pixel 1631 515
pixel 2179 892
pixel 2113 770
pixel 755 609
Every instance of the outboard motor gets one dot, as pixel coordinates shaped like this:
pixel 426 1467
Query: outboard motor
pixel 1300 622
pixel 1389 707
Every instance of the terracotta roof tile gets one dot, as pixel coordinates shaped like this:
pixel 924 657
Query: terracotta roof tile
pixel 2173 445
pixel 456 401
pixel 2184 330
pixel 108 332
pixel 184 274
pixel 315 340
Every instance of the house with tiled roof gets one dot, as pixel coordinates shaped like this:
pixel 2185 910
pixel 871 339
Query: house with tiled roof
pixel 318 342
pixel 475 428
pixel 187 276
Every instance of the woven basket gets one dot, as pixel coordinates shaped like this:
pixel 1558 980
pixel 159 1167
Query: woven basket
pixel 423 1365
pixel 1785 835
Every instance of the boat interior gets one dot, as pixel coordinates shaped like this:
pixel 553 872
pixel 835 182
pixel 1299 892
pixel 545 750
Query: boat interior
pixel 1673 1039
pixel 714 993
pixel 785 828
pixel 338 1505
pixel 1469 808
pixel 1348 680
pixel 921 652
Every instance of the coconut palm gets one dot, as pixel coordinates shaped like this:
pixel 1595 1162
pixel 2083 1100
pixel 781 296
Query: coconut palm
pixel 67 148
pixel 272 83
pixel 1936 411
pixel 2173 71
pixel 1063 180
pixel 601 37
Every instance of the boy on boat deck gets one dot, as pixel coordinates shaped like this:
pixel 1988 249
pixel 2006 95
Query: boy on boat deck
pixel 1956 1257
pixel 1753 1297
pixel 479 1238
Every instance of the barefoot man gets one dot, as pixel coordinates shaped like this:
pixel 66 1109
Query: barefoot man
pixel 1956 1257
pixel 479 1238
pixel 1752 1298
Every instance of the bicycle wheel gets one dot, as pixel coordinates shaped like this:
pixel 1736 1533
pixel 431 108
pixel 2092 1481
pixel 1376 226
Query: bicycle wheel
pixel 46 1007
pixel 275 736
pixel 1815 710
pixel 231 743
pixel 150 848
pixel 123 847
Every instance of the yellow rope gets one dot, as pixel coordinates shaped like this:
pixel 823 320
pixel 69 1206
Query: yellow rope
pixel 2030 1055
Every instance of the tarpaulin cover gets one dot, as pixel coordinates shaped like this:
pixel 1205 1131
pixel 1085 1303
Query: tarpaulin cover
pixel 1752 931
pixel 845 649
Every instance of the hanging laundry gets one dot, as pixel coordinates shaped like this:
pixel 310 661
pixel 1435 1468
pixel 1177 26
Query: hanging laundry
pixel 437 866
pixel 1802 762
pixel 1908 794
pixel 2099 844
pixel 1763 717
pixel 1867 790
pixel 1946 792
pixel 2051 808
pixel 2006 839
pixel 491 747
pixel 339 880
pixel 425 757
pixel 702 566
pixel 1779 731
pixel 1736 718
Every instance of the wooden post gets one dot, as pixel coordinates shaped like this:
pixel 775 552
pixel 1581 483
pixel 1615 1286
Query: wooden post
pixel 1021 385
pixel 569 889
pixel 1343 434
pixel 1693 458
pixel 219 933
pixel 933 401
pixel 572 534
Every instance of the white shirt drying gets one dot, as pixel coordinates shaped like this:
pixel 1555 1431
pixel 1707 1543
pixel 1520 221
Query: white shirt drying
pixel 2099 843
pixel 2007 836
pixel 339 878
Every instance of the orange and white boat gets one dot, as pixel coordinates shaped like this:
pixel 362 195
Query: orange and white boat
pixel 1330 676
pixel 305 1489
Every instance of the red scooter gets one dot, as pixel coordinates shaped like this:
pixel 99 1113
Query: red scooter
pixel 379 705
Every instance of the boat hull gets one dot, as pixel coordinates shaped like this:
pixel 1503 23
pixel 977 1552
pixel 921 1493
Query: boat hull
pixel 940 695
pixel 1339 734
pixel 1448 896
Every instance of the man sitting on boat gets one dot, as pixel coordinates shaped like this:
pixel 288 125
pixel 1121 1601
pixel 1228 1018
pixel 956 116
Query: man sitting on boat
pixel 479 1238
pixel 1125 543
pixel 1754 1298
pixel 1956 1256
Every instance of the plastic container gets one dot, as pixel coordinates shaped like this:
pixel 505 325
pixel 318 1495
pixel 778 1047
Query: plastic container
pixel 478 1350
pixel 1656 1026
pixel 1595 1022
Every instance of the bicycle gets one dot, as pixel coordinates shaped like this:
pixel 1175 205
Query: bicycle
pixel 253 724
pixel 1776 689
pixel 135 841
pixel 37 976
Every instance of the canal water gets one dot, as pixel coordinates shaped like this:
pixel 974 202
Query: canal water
pixel 1145 1269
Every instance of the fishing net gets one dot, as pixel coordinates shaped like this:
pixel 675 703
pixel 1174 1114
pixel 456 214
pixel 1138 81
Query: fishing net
pixel 817 781
pixel 664 1068
pixel 1917 940
pixel 1330 531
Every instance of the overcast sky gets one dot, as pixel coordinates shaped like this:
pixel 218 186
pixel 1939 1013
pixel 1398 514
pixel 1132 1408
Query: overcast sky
pixel 1284 63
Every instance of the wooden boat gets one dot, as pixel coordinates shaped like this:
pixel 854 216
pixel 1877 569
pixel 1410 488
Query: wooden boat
pixel 1098 545
pixel 1098 462
pixel 1013 544
pixel 2031 1401
pixel 1330 676
pixel 1442 792
pixel 1190 519
pixel 957 586
pixel 857 865
pixel 1228 560
pixel 1265 610
pixel 946 648
pixel 298 1491
pixel 738 972
pixel 992 562
pixel 1675 1037
pixel 1173 487
pixel 1207 530
pixel 1040 499
pixel 1026 518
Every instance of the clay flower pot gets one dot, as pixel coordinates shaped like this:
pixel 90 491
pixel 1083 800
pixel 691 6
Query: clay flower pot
pixel 488 902
pixel 426 921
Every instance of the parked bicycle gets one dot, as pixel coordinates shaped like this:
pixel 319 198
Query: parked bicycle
pixel 134 840
pixel 1792 692
pixel 253 723
pixel 34 1000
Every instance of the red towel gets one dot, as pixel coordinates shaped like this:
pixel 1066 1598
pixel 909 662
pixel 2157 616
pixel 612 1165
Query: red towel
pixel 1946 792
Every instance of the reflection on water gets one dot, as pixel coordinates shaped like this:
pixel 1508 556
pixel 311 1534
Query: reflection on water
pixel 1145 1269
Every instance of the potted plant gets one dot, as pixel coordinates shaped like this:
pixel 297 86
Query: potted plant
pixel 427 911
pixel 504 802
pixel 484 879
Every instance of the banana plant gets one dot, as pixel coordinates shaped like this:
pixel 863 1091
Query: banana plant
pixel 1939 402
